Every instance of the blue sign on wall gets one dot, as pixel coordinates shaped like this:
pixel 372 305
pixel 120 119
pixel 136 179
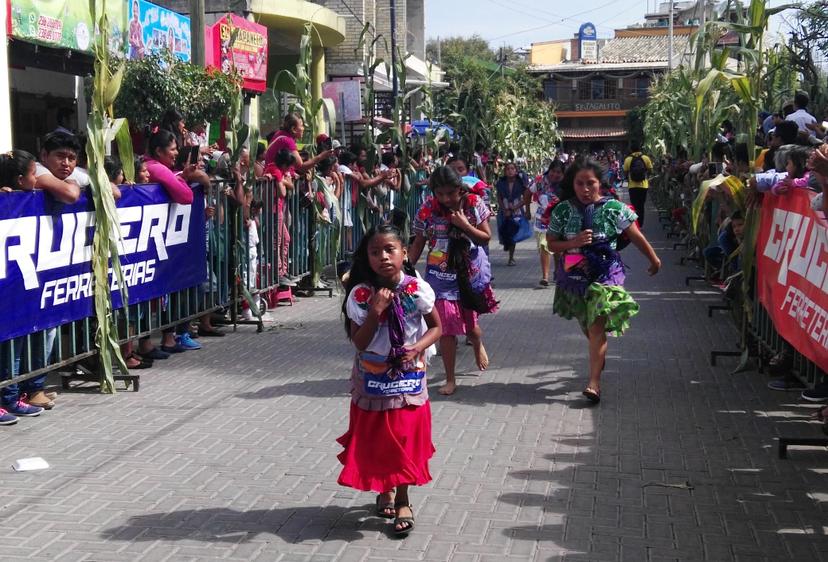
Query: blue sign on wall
pixel 587 31
pixel 46 251
pixel 152 28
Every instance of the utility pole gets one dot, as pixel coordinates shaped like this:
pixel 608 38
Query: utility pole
pixel 395 87
pixel 670 40
pixel 197 31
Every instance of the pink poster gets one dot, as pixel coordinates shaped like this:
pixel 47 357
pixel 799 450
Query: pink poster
pixel 247 53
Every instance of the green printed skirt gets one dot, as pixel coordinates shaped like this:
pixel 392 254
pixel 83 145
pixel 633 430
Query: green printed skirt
pixel 610 301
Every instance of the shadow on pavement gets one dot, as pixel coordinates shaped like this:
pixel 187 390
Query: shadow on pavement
pixel 317 388
pixel 508 393
pixel 291 524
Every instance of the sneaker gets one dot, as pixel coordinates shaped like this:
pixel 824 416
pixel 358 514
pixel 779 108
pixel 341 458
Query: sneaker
pixel 7 418
pixel 185 341
pixel 786 384
pixel 817 394
pixel 40 400
pixel 21 409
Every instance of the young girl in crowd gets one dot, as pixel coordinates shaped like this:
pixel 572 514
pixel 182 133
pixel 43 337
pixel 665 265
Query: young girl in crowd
pixel 513 203
pixel 392 322
pixel 796 166
pixel 455 224
pixel 141 173
pixel 589 274
pixel 545 194
pixel 17 171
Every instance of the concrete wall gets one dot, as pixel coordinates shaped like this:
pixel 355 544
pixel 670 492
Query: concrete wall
pixel 415 27
pixel 550 52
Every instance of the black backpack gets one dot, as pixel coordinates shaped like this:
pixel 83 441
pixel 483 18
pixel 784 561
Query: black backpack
pixel 638 169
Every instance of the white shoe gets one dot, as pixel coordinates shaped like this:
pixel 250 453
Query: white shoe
pixel 247 314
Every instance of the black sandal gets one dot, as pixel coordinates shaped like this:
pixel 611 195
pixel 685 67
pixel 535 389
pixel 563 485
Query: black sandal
pixel 592 395
pixel 407 521
pixel 382 507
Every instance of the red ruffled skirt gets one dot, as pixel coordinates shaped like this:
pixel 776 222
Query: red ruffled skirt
pixel 385 449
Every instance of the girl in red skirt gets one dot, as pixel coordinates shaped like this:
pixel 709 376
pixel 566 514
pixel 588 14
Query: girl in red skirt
pixel 391 320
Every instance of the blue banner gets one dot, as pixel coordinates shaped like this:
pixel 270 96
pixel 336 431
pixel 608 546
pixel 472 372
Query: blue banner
pixel 46 251
pixel 153 28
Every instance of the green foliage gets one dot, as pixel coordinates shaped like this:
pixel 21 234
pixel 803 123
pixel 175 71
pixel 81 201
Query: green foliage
pixel 102 130
pixel 156 83
pixel 455 49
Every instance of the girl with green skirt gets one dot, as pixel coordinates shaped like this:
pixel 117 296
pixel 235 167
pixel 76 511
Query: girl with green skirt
pixel 584 231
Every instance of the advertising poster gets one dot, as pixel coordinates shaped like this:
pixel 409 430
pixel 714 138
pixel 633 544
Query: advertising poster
pixel 152 28
pixel 352 92
pixel 65 24
pixel 247 53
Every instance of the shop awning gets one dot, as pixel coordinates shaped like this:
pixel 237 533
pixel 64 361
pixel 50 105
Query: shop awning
pixel 587 133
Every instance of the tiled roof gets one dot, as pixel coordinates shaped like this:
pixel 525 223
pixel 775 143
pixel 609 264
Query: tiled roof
pixel 641 49
pixel 593 133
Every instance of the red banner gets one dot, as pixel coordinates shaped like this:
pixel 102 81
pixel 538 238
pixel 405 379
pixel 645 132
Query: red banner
pixel 792 272
pixel 248 53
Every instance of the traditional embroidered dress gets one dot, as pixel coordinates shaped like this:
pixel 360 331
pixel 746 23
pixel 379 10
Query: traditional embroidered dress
pixel 388 442
pixel 448 247
pixel 589 280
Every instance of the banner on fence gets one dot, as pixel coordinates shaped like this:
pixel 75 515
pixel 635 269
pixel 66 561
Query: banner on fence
pixel 45 264
pixel 792 272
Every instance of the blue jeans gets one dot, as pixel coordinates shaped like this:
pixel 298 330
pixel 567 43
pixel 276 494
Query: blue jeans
pixel 10 353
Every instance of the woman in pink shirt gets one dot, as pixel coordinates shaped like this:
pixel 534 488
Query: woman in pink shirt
pixel 163 152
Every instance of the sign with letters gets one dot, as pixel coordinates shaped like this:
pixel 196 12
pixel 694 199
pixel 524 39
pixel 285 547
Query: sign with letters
pixel 588 40
pixel 46 251
pixel 792 272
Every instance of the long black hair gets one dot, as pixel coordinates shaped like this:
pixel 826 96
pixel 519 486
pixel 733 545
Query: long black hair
pixel 580 163
pixel 361 271
pixel 14 164
pixel 161 139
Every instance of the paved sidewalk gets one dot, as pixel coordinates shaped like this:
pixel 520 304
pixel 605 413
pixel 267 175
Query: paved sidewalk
pixel 229 452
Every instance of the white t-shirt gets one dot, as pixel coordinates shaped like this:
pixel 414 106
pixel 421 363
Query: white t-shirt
pixel 802 118
pixel 79 175
pixel 345 170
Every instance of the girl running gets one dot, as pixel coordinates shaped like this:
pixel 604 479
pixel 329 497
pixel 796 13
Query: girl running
pixel 589 274
pixel 545 194
pixel 456 225
pixel 391 320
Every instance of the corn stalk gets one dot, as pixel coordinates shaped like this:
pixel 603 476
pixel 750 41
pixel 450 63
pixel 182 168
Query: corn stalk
pixel 102 130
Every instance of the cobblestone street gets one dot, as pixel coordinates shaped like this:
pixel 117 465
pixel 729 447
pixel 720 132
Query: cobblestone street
pixel 229 452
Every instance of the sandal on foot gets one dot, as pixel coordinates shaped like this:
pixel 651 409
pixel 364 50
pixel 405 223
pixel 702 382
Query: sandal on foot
pixel 387 506
pixel 407 521
pixel 592 395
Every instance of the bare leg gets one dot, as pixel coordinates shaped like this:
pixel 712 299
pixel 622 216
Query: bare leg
pixel 403 506
pixel 448 349
pixel 597 353
pixel 545 259
pixel 480 355
pixel 386 501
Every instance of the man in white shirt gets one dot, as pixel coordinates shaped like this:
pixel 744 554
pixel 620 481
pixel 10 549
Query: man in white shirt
pixel 56 171
pixel 804 120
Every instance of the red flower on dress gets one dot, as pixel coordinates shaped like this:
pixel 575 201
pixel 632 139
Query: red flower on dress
pixel 424 213
pixel 362 295
pixel 411 287
pixel 473 199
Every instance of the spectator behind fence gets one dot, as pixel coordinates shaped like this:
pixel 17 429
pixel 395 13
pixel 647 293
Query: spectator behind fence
pixel 728 241
pixel 805 122
pixel 784 133
pixel 17 171
pixel 141 172
pixel 26 399
pixel 280 171
pixel 796 162
pixel 293 128
pixel 818 163
pixel 56 173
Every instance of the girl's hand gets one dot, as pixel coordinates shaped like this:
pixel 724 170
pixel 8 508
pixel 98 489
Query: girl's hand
pixel 209 212
pixel 584 238
pixel 655 265
pixel 458 219
pixel 411 355
pixel 380 301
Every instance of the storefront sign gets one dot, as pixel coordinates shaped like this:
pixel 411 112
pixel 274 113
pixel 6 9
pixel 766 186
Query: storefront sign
pixel 247 53
pixel 153 28
pixel 588 38
pixel 792 272
pixel 65 23
pixel 598 106
pixel 46 251
pixel 349 91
